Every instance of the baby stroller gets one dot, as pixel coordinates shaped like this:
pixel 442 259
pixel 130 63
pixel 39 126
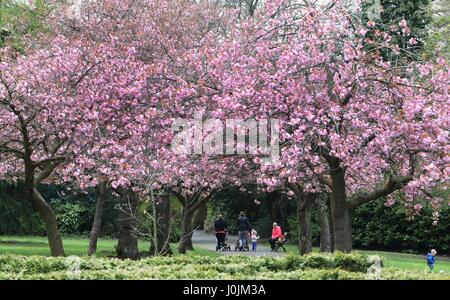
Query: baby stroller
pixel 223 245
pixel 238 246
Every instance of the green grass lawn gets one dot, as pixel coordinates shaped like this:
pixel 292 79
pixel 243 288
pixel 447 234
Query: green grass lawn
pixel 34 245
pixel 399 260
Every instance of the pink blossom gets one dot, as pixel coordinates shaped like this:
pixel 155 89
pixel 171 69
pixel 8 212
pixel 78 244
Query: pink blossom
pixel 371 23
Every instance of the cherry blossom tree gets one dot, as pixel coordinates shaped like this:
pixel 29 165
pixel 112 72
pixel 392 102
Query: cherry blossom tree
pixel 42 124
pixel 133 110
pixel 56 100
pixel 93 102
pixel 355 126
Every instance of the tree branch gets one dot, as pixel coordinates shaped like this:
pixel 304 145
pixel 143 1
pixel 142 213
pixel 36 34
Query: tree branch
pixel 49 160
pixel 393 184
pixel 46 172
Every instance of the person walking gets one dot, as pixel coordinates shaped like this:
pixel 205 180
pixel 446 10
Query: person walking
pixel 243 227
pixel 220 228
pixel 430 259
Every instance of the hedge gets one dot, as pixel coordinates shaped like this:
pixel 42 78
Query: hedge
pixel 310 267
pixel 386 228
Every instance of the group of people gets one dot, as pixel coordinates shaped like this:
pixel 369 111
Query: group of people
pixel 245 231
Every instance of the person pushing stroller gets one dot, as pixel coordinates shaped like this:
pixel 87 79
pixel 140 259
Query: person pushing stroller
pixel 244 228
pixel 220 228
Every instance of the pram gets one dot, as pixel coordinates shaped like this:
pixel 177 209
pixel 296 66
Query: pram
pixel 237 246
pixel 223 246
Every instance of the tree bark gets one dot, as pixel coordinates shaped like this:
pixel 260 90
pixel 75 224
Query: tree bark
pixel 190 204
pixel 44 210
pixel 324 221
pixel 340 211
pixel 200 217
pixel 186 231
pixel 162 214
pixel 304 203
pixel 127 246
pixel 97 225
pixel 304 224
pixel 51 226
pixel 331 224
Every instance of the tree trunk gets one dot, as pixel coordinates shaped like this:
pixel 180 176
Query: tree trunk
pixel 304 224
pixel 331 223
pixel 340 212
pixel 186 231
pixel 44 210
pixel 97 225
pixel 324 221
pixel 127 246
pixel 162 214
pixel 51 226
pixel 200 217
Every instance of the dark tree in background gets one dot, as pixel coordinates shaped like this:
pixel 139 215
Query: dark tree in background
pixel 417 14
pixel 101 191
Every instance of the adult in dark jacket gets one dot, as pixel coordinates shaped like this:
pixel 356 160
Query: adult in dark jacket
pixel 220 228
pixel 244 227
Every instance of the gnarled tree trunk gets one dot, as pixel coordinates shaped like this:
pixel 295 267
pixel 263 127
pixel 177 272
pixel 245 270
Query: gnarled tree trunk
pixel 304 224
pixel 97 225
pixel 127 246
pixel 200 217
pixel 304 203
pixel 331 223
pixel 51 227
pixel 190 203
pixel 186 231
pixel 44 209
pixel 340 211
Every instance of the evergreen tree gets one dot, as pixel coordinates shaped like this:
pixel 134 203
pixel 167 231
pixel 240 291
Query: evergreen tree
pixel 411 16
pixel 439 30
pixel 18 19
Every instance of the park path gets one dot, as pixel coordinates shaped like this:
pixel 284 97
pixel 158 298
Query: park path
pixel 208 241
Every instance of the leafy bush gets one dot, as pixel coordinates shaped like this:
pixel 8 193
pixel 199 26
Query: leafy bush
pixel 376 227
pixel 17 216
pixel 386 228
pixel 311 267
pixel 175 230
pixel 68 215
pixel 74 211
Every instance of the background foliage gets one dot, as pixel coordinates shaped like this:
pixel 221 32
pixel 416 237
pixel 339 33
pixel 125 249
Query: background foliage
pixel 374 226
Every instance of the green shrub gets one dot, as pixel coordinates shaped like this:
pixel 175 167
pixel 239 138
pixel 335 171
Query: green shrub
pixel 311 267
pixel 386 228
pixel 397 274
pixel 74 210
pixel 17 216
pixel 68 215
